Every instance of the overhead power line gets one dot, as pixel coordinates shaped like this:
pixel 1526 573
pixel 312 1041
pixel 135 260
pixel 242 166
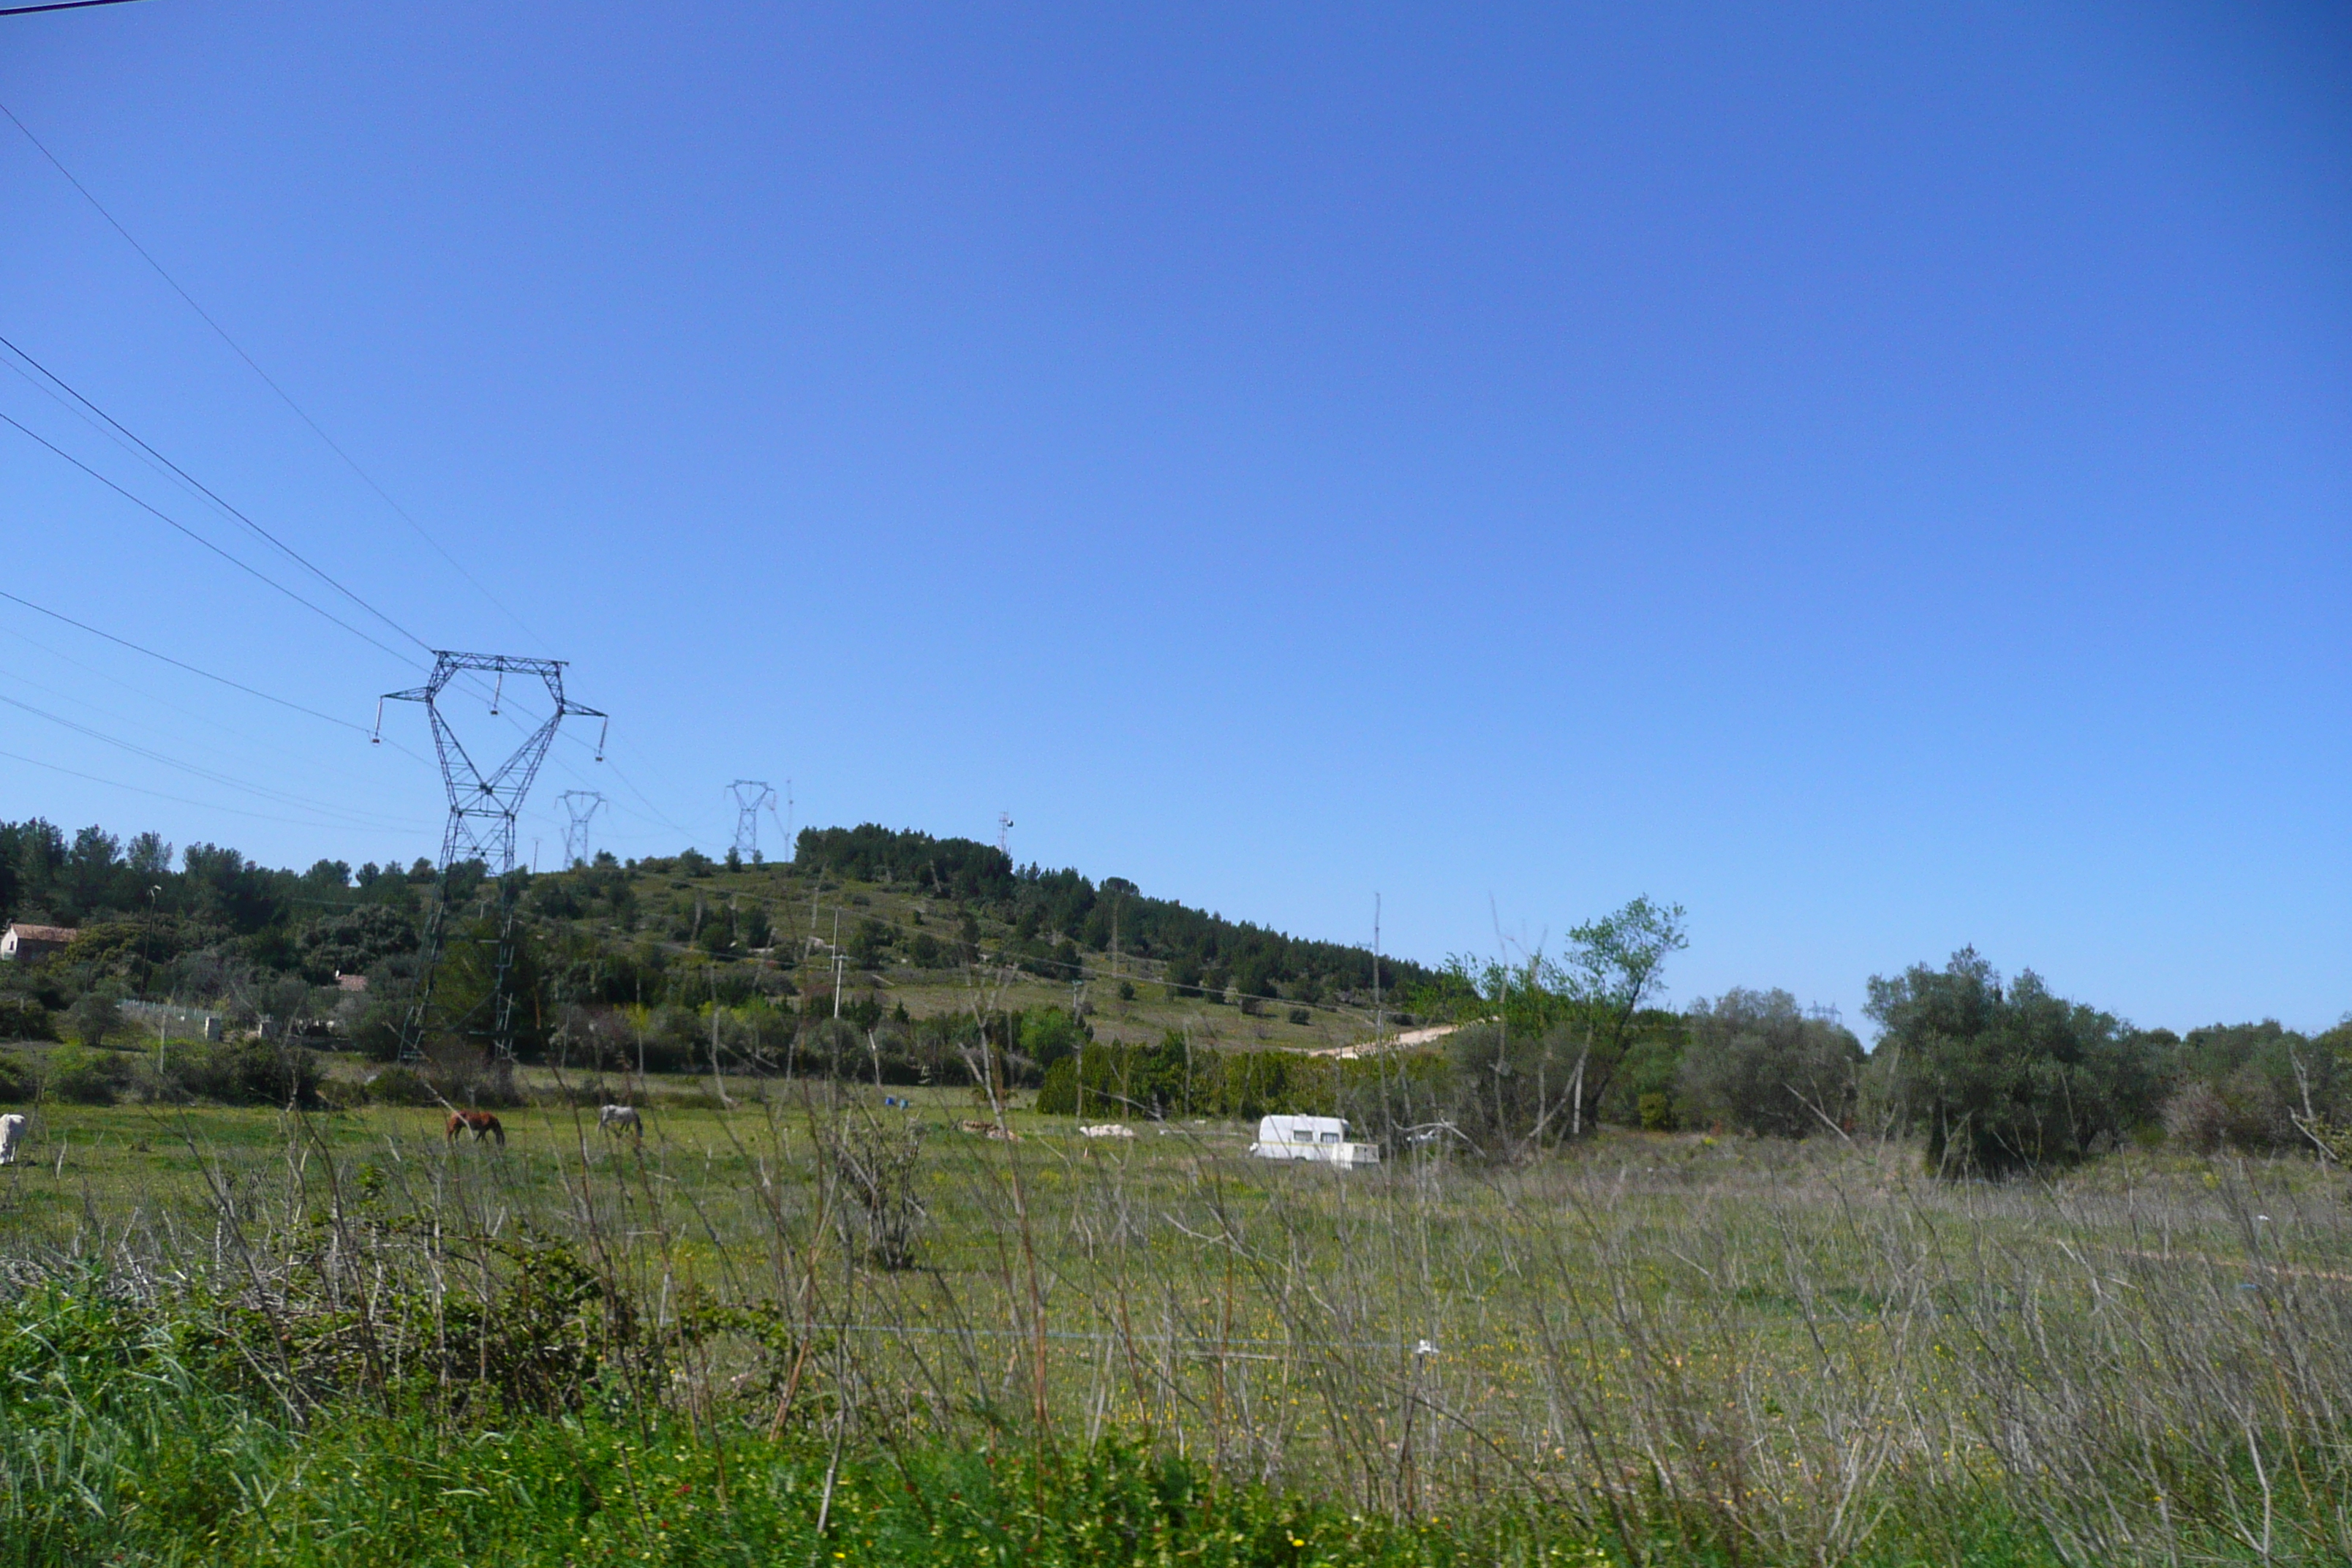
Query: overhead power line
pixel 211 495
pixel 164 795
pixel 239 349
pixel 181 664
pixel 208 774
pixel 245 567
pixel 58 6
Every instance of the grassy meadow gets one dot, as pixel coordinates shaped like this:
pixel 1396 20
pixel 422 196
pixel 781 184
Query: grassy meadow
pixel 1653 1348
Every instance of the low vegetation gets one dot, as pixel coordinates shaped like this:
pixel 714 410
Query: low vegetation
pixel 825 1325
pixel 2023 1284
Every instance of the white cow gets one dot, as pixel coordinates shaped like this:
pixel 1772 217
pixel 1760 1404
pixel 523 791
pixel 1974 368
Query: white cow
pixel 610 1116
pixel 12 1127
pixel 1107 1130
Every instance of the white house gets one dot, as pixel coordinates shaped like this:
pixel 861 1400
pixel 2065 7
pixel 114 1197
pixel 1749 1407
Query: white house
pixel 1321 1139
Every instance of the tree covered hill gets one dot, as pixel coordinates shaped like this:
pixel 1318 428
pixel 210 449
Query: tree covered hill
pixel 868 909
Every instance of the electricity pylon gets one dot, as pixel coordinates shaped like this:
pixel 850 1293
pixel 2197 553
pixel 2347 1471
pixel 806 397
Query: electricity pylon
pixel 482 811
pixel 482 807
pixel 750 796
pixel 579 807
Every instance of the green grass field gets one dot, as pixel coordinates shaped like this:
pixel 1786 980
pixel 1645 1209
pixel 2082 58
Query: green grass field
pixel 1661 1348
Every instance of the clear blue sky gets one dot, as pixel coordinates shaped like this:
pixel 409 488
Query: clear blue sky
pixel 1876 475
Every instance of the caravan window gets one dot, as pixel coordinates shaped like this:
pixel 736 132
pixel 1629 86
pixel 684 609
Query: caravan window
pixel 1302 1135
pixel 1331 1137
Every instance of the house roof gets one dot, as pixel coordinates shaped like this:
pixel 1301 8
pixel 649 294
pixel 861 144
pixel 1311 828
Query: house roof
pixel 60 934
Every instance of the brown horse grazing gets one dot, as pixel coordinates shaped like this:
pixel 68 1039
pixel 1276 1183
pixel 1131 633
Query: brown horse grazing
pixel 480 1124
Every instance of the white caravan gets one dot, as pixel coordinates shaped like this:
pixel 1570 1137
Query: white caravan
pixel 1322 1139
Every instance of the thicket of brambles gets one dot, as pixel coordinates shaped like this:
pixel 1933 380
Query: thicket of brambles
pixel 687 965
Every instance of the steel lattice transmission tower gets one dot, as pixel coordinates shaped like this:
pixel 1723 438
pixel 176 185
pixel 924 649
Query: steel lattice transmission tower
pixel 482 805
pixel 482 810
pixel 579 808
pixel 751 797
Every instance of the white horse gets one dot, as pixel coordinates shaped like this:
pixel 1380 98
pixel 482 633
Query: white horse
pixel 12 1127
pixel 610 1116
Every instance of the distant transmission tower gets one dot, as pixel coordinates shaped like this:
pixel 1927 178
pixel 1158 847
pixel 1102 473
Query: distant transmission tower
pixel 751 795
pixel 1004 834
pixel 482 811
pixel 581 807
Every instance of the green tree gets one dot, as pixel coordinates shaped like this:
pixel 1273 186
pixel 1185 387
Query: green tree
pixel 1556 1031
pixel 869 945
pixel 1756 1062
pixel 353 942
pixel 2005 1078
pixel 94 1019
pixel 473 1001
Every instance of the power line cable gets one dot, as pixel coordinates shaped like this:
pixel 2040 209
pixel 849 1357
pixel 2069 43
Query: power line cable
pixel 284 397
pixel 58 6
pixel 123 436
pixel 208 774
pixel 251 749
pixel 250 570
pixel 180 664
pixel 64 658
pixel 176 799
pixel 209 494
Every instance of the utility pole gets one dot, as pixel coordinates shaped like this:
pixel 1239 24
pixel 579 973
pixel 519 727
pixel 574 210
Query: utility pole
pixel 1379 1018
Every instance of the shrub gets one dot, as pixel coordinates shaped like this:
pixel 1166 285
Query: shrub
pixel 1299 1015
pixel 1057 1095
pixel 2197 1119
pixel 17 1079
pixel 399 1086
pixel 24 1019
pixel 1513 1088
pixel 1756 1062
pixel 2255 1086
pixel 238 1072
pixel 93 1020
pixel 1048 1034
pixel 1657 1112
pixel 79 1075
